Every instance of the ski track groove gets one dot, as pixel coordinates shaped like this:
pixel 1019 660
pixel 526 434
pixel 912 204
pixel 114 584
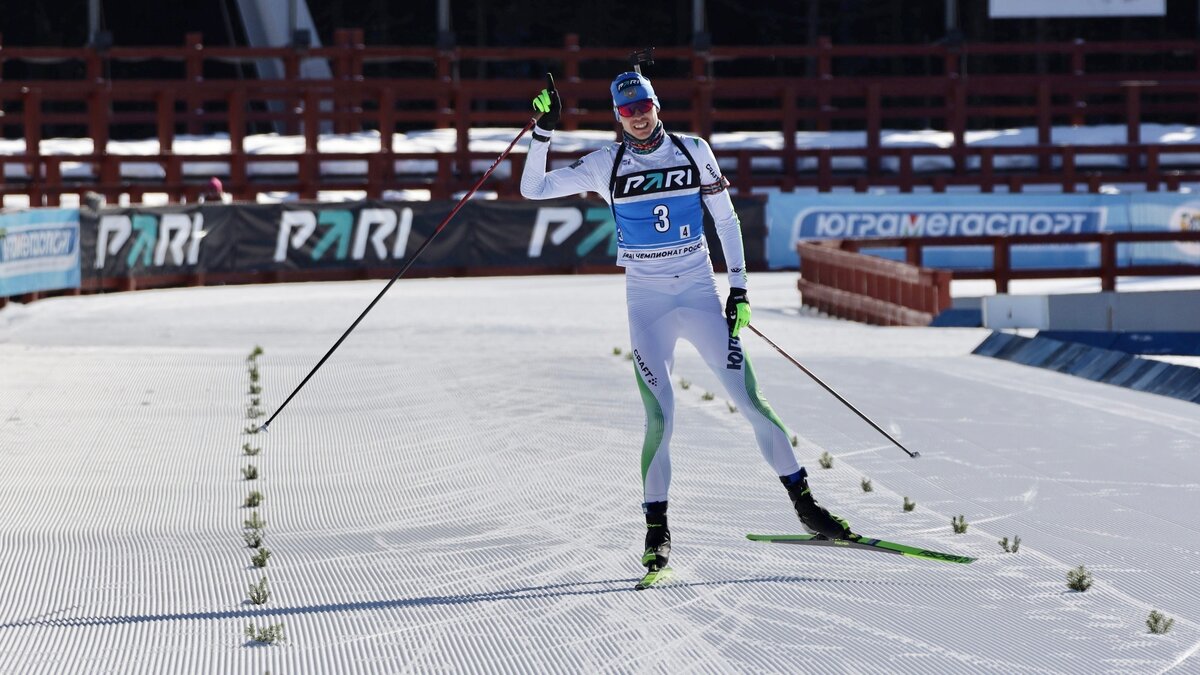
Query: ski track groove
pixel 975 521
pixel 465 496
pixel 1026 547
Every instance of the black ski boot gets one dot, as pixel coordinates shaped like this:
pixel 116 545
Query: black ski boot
pixel 812 515
pixel 658 536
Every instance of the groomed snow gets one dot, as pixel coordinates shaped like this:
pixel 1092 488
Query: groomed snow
pixel 458 490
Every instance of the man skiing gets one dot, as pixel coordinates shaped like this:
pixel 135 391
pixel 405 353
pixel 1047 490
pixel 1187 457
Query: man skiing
pixel 657 185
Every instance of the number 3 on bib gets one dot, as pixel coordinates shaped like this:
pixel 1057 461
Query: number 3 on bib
pixel 664 222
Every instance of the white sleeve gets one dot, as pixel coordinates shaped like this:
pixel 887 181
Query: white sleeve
pixel 587 174
pixel 714 190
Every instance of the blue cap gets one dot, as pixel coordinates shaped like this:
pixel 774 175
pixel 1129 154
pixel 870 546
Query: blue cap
pixel 629 87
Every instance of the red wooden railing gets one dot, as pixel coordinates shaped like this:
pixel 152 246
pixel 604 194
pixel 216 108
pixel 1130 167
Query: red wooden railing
pixel 699 90
pixel 1002 271
pixel 866 288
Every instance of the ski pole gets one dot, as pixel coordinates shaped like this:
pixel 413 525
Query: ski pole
pixel 397 275
pixel 829 389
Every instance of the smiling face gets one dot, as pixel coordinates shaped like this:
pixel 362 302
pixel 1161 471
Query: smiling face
pixel 641 124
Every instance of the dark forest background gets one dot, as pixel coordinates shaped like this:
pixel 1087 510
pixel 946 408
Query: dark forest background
pixel 599 24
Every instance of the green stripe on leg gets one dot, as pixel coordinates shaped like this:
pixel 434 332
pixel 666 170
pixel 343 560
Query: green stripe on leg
pixel 655 424
pixel 756 398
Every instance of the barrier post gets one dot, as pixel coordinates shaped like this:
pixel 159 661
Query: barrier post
pixel 1108 261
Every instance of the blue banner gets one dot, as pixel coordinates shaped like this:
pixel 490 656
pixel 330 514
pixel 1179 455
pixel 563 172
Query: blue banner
pixel 39 251
pixel 792 217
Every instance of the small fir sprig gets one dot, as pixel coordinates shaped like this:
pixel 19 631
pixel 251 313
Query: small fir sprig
pixel 616 351
pixel 250 472
pixel 795 440
pixel 260 558
pixel 1159 623
pixel 254 538
pixel 1079 579
pixel 866 485
pixel 1013 547
pixel 255 353
pixel 826 460
pixel 732 408
pixel 909 504
pixel 267 635
pixel 259 593
pixel 253 499
pixel 250 451
pixel 707 396
pixel 960 524
pixel 254 522
pixel 684 384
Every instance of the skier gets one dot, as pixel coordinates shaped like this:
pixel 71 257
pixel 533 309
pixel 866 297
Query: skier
pixel 656 183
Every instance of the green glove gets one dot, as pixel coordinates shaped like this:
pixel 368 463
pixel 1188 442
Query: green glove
pixel 737 311
pixel 549 105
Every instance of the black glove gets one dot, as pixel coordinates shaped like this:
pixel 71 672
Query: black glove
pixel 737 311
pixel 548 103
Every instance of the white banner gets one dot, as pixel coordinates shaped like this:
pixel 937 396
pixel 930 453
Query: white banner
pixel 1030 9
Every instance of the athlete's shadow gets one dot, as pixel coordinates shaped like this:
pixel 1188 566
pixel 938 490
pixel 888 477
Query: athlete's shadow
pixel 579 588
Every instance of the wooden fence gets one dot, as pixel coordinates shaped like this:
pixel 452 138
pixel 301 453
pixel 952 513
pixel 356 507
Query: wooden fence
pixel 1002 272
pixel 866 288
pixel 824 87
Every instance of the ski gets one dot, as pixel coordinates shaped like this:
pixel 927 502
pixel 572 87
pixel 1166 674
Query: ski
pixel 654 578
pixel 864 544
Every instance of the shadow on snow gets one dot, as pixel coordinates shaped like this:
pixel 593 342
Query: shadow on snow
pixel 534 592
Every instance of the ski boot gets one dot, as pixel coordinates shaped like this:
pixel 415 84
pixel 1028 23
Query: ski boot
pixel 815 519
pixel 658 536
pixel 658 546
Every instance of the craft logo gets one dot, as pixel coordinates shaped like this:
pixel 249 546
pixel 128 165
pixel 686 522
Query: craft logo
pixel 842 222
pixel 649 374
pixel 170 239
pixel 342 236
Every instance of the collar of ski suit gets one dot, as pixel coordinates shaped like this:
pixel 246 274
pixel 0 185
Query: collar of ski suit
pixel 649 145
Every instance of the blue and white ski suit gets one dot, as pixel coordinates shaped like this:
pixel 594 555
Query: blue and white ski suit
pixel 670 287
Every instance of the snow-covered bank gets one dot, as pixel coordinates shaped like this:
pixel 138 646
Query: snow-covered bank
pixel 458 489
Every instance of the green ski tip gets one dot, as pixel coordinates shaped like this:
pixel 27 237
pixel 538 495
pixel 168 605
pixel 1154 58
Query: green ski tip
pixel 654 578
pixel 863 544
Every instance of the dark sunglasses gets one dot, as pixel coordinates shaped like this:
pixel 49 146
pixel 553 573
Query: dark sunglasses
pixel 635 108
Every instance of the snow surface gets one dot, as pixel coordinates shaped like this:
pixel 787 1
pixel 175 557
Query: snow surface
pixel 495 140
pixel 458 490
